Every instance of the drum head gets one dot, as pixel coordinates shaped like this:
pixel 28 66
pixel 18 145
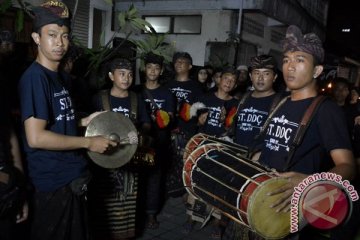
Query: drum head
pixel 264 220
pixel 193 143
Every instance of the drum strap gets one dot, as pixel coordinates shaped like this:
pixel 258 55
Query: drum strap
pixel 231 129
pixel 150 96
pixel 275 102
pixel 133 105
pixel 254 148
pixel 304 124
pixel 105 99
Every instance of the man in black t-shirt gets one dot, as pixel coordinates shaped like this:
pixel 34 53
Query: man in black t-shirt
pixel 186 92
pixel 256 106
pixel 326 143
pixel 159 104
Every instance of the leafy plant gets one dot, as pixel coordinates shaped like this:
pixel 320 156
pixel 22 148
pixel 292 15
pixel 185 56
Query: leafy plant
pixel 5 5
pixel 154 43
pixel 129 23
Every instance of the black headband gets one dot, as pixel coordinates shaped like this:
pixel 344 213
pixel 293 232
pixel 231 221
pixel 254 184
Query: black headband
pixel 121 63
pixel 51 12
pixel 309 43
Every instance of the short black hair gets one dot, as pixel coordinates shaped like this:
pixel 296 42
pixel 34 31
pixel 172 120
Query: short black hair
pixel 185 55
pixel 153 58
pixel 230 70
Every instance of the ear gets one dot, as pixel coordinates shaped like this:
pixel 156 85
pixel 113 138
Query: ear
pixel 318 70
pixel 251 80
pixel 190 66
pixel 36 37
pixel 111 76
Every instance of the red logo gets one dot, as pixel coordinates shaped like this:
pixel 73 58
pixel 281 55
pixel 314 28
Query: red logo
pixel 325 205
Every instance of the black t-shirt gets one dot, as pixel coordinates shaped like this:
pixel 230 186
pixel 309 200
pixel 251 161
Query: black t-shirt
pixel 327 131
pixel 123 106
pixel 164 101
pixel 213 126
pixel 251 118
pixel 185 93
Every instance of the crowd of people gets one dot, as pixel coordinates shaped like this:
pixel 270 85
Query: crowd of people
pixel 62 194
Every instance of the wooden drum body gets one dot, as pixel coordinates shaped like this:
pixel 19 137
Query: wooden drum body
pixel 236 186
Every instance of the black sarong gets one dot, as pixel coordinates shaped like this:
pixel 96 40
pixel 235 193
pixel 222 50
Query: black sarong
pixel 59 215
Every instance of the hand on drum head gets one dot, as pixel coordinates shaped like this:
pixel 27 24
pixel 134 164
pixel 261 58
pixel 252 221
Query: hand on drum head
pixel 284 203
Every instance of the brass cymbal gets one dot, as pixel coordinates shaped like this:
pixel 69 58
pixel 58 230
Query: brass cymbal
pixel 116 127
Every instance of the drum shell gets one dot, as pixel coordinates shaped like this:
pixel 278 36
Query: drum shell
pixel 231 184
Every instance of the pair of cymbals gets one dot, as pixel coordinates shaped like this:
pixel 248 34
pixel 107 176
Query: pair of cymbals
pixel 116 127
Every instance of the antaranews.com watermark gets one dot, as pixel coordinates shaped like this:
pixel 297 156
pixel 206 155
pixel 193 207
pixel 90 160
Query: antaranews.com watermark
pixel 323 200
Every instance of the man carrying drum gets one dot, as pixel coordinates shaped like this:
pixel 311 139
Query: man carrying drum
pixel 326 145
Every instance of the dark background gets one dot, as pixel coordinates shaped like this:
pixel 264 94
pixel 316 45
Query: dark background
pixel 343 14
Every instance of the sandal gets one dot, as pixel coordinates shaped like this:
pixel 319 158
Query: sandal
pixel 152 223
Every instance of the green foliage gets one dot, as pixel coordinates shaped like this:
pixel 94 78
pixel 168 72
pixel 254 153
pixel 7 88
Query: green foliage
pixel 233 38
pixel 154 43
pixel 19 24
pixel 5 5
pixel 129 22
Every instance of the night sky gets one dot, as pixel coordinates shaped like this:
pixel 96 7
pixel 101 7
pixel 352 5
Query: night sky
pixel 343 15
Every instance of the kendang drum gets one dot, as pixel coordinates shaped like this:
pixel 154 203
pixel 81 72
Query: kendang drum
pixel 238 187
pixel 202 138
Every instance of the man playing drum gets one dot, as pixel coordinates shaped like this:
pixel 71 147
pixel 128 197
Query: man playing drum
pixel 325 145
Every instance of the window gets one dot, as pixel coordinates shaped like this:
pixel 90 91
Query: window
pixel 187 24
pixel 160 24
pixel 180 24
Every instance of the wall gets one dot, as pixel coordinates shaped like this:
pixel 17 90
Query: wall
pixel 101 5
pixel 214 26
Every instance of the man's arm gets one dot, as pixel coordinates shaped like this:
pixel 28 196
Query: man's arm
pixel 344 166
pixel 344 163
pixel 15 151
pixel 39 137
pixel 16 157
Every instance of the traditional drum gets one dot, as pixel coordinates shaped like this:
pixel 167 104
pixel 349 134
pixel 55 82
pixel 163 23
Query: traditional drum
pixel 202 138
pixel 238 187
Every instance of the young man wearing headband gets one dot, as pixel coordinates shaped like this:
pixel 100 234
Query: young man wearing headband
pixel 325 146
pixel 255 107
pixel 115 191
pixel 51 142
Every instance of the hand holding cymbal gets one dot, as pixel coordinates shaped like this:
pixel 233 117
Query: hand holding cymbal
pixel 117 128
